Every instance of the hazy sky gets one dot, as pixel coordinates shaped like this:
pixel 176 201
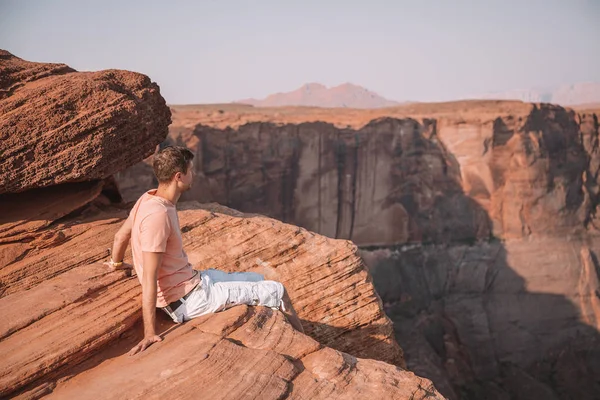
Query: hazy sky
pixel 225 50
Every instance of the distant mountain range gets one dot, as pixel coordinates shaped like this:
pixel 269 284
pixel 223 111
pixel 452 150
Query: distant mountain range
pixel 565 95
pixel 354 96
pixel 317 95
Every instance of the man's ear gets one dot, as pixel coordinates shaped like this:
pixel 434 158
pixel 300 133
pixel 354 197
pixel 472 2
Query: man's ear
pixel 178 176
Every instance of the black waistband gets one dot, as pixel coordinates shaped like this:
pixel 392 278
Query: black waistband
pixel 175 305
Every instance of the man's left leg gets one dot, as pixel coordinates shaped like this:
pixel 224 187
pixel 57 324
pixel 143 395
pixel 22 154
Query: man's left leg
pixel 261 293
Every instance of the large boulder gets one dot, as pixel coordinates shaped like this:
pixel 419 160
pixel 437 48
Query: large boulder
pixel 58 125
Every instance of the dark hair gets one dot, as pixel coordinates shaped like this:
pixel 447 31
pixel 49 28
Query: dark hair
pixel 170 160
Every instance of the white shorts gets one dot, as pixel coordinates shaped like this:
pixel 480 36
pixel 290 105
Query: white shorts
pixel 220 290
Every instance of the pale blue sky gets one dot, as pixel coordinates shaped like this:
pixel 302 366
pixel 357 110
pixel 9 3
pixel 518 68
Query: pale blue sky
pixel 219 51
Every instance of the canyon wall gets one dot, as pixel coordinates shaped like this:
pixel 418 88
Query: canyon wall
pixel 484 320
pixel 400 180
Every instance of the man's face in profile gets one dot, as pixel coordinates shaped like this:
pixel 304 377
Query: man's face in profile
pixel 188 179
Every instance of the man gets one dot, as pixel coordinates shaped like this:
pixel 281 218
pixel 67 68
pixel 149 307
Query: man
pixel 168 280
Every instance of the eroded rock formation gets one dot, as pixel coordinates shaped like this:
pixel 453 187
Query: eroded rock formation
pixel 58 125
pixel 241 353
pixel 58 297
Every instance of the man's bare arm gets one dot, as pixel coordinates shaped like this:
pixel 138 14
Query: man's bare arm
pixel 152 262
pixel 120 243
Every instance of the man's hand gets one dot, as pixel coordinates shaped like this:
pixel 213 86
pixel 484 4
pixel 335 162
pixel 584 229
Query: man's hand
pixel 144 344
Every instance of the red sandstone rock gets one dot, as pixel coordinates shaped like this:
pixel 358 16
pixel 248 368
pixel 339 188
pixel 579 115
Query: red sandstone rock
pixel 241 353
pixel 58 125
pixel 57 297
pixel 23 214
pixel 325 278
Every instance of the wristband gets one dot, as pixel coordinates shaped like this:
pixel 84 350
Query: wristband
pixel 115 264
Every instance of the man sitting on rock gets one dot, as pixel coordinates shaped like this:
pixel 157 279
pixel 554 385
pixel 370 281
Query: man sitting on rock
pixel 168 279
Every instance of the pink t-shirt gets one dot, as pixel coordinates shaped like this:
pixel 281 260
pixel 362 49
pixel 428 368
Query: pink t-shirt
pixel 156 229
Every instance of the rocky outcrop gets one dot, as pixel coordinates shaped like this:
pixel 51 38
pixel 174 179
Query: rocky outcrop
pixel 240 353
pixel 325 278
pixel 59 298
pixel 58 125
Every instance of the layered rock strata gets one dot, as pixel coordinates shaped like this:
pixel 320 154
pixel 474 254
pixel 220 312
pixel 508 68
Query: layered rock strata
pixel 57 297
pixel 241 353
